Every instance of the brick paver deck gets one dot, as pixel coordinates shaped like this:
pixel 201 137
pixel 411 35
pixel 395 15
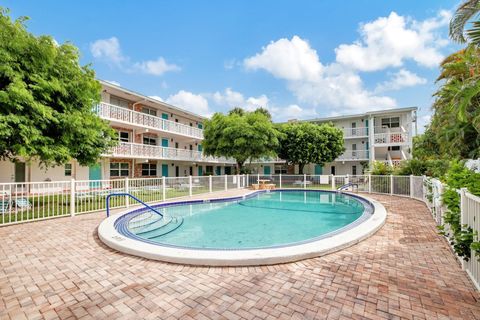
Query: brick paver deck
pixel 60 269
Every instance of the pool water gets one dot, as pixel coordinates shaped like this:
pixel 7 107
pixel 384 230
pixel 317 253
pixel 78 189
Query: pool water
pixel 270 219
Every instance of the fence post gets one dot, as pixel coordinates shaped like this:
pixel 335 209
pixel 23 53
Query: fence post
pixel 369 183
pixel 391 184
pixel 226 182
pixel 210 187
pixel 190 186
pixel 258 178
pixel 280 181
pixel 247 181
pixel 411 186
pixel 164 188
pixel 347 179
pixel 463 219
pixel 304 181
pixel 333 181
pixel 238 181
pixel 127 202
pixel 72 197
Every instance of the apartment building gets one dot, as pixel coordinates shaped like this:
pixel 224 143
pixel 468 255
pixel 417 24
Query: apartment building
pixel 384 136
pixel 155 139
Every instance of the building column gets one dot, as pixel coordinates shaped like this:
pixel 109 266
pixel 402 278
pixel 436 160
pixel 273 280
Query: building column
pixel 371 139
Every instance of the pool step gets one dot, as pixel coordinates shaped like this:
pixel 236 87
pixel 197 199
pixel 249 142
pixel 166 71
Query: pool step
pixel 173 225
pixel 153 225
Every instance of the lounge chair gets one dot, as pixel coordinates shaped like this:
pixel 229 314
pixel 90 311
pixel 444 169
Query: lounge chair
pixel 23 203
pixel 4 206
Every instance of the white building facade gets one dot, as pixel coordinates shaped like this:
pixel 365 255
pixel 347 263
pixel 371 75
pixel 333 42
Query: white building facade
pixel 157 139
pixel 385 136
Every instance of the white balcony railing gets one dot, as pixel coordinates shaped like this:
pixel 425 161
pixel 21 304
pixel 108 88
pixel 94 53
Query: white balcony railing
pixel 116 113
pixel 136 150
pixel 355 132
pixel 394 138
pixel 353 155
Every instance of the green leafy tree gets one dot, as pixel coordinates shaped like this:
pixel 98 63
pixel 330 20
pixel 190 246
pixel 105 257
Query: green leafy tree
pixel 456 119
pixel 425 146
pixel 46 100
pixel 304 142
pixel 240 135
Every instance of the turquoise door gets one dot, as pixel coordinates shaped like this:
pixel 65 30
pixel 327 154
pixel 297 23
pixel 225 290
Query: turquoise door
pixel 165 116
pixel 318 169
pixel 200 126
pixel 200 171
pixel 266 170
pixel 200 148
pixel 366 125
pixel 165 170
pixel 95 173
pixel 164 142
pixel 164 124
pixel 218 170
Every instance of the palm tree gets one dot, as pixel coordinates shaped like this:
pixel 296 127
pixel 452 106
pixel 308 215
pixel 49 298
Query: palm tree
pixel 463 14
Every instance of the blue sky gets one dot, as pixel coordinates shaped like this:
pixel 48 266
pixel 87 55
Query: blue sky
pixel 300 59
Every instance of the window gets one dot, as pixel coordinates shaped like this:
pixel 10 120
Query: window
pixel 354 149
pixel 394 148
pixel 124 136
pixel 68 169
pixel 116 101
pixel 149 169
pixel 393 122
pixel 209 170
pixel 150 141
pixel 149 111
pixel 280 169
pixel 119 169
pixel 332 170
pixel 354 170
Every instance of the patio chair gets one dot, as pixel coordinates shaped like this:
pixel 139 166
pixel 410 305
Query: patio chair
pixel 23 203
pixel 4 206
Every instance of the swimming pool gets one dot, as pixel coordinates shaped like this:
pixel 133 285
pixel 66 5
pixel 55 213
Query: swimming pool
pixel 250 225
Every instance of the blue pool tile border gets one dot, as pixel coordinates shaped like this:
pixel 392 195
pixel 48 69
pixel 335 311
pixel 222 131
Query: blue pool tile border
pixel 121 223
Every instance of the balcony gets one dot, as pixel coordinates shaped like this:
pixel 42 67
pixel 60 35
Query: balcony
pixel 353 155
pixel 349 133
pixel 127 116
pixel 145 151
pixel 392 138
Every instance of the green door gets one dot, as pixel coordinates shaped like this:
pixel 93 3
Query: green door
pixel 200 148
pixel 200 126
pixel 95 173
pixel 318 169
pixel 165 143
pixel 366 125
pixel 218 170
pixel 165 116
pixel 165 170
pixel 19 171
pixel 200 171
pixel 266 170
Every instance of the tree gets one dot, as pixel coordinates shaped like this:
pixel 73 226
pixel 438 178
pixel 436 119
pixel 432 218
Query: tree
pixel 46 100
pixel 425 146
pixel 240 135
pixel 456 119
pixel 302 143
pixel 464 13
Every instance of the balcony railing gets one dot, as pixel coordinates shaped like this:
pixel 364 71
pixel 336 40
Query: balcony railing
pixel 353 155
pixel 136 150
pixel 355 132
pixel 394 138
pixel 116 113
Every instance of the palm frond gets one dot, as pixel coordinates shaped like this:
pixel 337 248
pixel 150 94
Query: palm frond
pixel 473 33
pixel 462 15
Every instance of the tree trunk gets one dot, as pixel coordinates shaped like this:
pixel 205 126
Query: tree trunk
pixel 239 166
pixel 300 168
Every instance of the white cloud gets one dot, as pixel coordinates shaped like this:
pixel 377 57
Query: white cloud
pixel 113 82
pixel 287 59
pixel 195 103
pixel 110 51
pixel 311 82
pixel 229 98
pixel 389 41
pixel 401 79
pixel 156 67
pixel 156 98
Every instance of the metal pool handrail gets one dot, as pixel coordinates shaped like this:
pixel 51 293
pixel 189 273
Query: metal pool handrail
pixel 121 194
pixel 345 186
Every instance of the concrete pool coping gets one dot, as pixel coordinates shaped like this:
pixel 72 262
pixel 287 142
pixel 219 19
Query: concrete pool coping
pixel 252 257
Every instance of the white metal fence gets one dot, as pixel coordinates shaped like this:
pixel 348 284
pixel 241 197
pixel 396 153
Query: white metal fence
pixel 22 202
